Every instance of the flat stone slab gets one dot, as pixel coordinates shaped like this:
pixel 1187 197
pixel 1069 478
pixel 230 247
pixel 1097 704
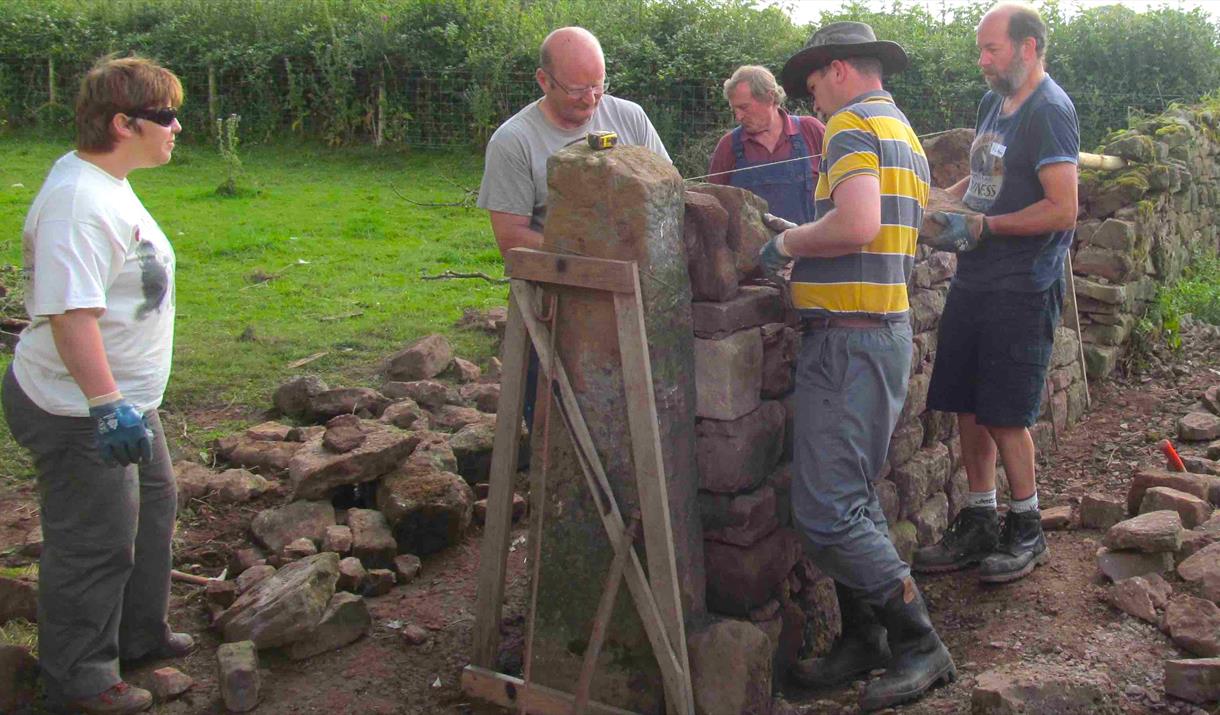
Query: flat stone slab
pixel 1193 679
pixel 728 375
pixel 1193 624
pixel 1041 688
pixel 169 683
pixel 737 455
pixel 730 665
pixel 1192 510
pixel 1056 518
pixel 740 579
pixel 276 528
pixel 1153 532
pixel 428 511
pixel 345 620
pixel 1133 596
pixel 316 472
pixel 1101 512
pixel 752 307
pixel 372 540
pixel 1201 485
pixel 1203 568
pixel 1119 565
pixel 745 518
pixel 425 358
pixel 18 599
pixel 1199 426
pixel 284 607
pixel 239 680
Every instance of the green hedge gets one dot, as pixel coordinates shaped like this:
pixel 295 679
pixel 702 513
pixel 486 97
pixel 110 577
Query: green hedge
pixel 443 72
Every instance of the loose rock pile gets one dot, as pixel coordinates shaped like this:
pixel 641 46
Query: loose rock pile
pixel 373 480
pixel 1175 532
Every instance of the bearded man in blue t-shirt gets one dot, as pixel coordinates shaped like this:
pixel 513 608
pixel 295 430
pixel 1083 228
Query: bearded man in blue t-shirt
pixel 998 327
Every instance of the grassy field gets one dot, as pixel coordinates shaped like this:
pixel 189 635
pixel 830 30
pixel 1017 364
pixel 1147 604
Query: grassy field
pixel 323 252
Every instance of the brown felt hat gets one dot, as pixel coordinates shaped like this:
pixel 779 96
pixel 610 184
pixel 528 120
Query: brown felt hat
pixel 837 41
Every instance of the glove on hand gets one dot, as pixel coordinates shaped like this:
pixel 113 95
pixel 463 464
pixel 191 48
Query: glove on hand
pixel 952 232
pixel 769 256
pixel 776 224
pixel 123 436
pixel 771 259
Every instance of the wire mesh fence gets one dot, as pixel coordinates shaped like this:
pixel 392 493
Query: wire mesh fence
pixel 350 104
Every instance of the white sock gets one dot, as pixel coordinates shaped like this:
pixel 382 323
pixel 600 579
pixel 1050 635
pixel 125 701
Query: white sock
pixel 1030 504
pixel 981 499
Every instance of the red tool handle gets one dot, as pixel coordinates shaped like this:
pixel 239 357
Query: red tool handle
pixel 1173 461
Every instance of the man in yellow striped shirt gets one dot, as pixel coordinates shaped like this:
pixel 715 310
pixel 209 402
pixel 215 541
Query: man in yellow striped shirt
pixel 849 283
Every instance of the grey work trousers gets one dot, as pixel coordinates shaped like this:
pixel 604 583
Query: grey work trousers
pixel 103 589
pixel 851 384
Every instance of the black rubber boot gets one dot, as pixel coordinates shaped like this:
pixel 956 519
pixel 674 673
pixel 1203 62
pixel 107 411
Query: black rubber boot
pixel 920 660
pixel 971 537
pixel 1022 547
pixel 860 648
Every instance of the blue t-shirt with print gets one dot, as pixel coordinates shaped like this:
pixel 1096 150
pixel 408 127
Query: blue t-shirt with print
pixel 1005 158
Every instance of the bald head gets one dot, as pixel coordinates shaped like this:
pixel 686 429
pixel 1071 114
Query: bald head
pixel 1022 21
pixel 569 45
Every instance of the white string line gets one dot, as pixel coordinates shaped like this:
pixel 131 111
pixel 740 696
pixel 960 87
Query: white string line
pixel 786 161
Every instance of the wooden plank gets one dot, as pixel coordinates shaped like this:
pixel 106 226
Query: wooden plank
pixel 672 672
pixel 580 271
pixel 510 693
pixel 650 476
pixel 493 551
pixel 1070 301
pixel 622 548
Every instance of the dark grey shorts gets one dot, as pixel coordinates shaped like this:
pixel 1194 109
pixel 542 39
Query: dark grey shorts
pixel 992 353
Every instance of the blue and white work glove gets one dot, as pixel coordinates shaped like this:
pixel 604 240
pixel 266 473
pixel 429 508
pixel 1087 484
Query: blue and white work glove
pixel 773 256
pixel 123 436
pixel 953 232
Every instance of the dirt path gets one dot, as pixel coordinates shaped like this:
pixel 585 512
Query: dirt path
pixel 1056 616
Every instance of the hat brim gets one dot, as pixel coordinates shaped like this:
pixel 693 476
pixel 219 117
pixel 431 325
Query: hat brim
pixel 799 66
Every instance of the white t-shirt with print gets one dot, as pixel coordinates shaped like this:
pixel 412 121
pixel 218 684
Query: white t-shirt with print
pixel 88 242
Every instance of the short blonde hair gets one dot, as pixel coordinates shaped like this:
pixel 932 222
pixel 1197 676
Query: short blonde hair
pixel 761 82
pixel 119 85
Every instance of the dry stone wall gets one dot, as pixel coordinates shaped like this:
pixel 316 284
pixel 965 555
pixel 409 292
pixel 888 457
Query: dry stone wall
pixel 1140 227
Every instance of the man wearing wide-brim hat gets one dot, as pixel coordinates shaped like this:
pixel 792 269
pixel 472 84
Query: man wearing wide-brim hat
pixel 853 263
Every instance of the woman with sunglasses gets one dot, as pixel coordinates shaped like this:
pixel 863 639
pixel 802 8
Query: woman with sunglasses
pixel 82 393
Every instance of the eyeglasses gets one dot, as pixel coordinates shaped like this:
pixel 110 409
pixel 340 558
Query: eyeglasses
pixel 578 92
pixel 164 117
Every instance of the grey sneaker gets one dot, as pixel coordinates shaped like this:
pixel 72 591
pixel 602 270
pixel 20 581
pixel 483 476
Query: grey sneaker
pixel 971 537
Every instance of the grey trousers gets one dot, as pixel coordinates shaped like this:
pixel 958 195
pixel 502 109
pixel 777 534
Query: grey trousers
pixel 104 572
pixel 850 388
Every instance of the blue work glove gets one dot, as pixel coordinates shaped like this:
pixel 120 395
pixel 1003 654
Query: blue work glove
pixel 123 436
pixel 769 256
pixel 953 232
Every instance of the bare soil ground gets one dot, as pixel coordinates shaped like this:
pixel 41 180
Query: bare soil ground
pixel 1057 615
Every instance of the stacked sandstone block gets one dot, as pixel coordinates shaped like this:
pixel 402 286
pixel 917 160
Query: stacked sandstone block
pixel 745 353
pixel 1141 226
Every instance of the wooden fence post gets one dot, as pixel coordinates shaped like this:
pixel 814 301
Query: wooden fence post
pixel 52 99
pixel 213 100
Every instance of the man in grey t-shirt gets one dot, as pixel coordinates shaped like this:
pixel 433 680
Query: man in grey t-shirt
pixel 572 76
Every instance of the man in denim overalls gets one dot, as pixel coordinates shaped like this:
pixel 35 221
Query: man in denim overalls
pixel 768 134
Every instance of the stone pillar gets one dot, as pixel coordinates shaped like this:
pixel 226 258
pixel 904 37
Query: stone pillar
pixel 624 203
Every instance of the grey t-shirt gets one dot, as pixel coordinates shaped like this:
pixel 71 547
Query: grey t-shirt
pixel 514 171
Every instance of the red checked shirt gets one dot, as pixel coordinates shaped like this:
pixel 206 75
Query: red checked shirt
pixel 811 129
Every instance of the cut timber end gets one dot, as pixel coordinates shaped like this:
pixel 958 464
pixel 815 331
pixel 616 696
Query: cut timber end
pixel 1104 162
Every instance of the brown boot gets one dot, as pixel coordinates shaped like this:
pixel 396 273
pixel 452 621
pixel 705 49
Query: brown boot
pixel 118 699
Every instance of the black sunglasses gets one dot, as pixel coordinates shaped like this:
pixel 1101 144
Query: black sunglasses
pixel 164 117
